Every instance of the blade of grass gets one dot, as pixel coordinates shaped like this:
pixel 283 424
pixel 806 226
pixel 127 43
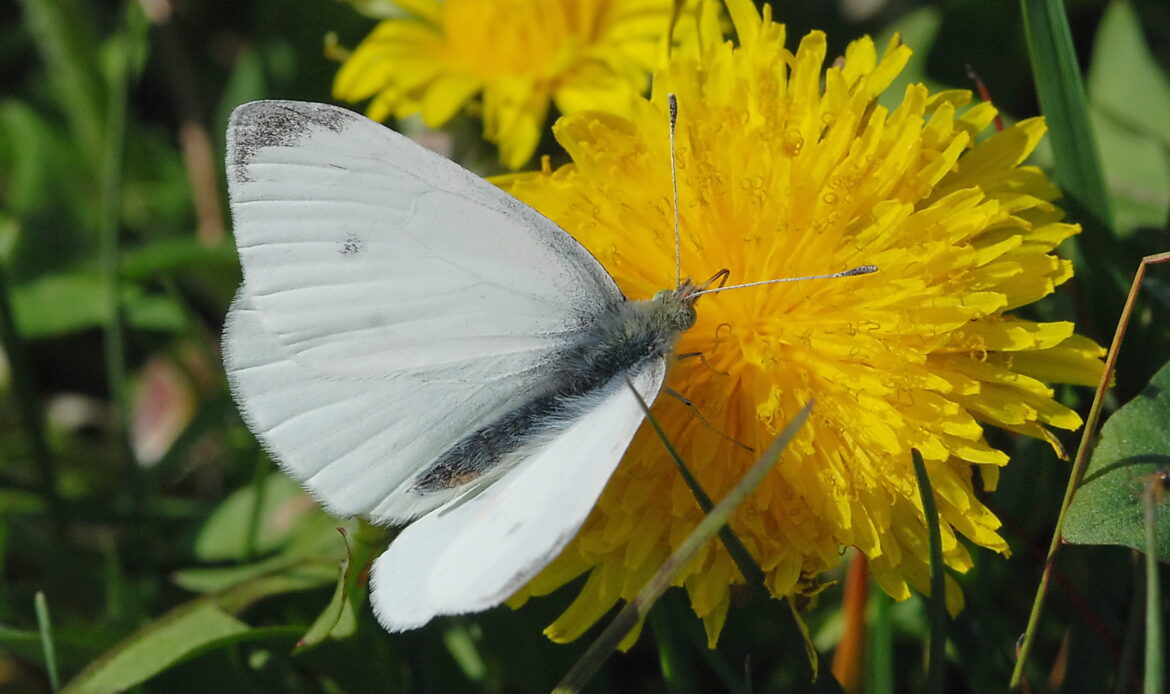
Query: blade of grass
pixel 1155 677
pixel 678 671
pixel 743 559
pixel 46 628
pixel 1079 463
pixel 1061 92
pixel 61 32
pixel 938 592
pixel 634 611
pixel 1077 163
pixel 795 629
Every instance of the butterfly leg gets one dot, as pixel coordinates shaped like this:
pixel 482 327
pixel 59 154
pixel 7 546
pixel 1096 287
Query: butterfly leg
pixel 703 420
pixel 692 355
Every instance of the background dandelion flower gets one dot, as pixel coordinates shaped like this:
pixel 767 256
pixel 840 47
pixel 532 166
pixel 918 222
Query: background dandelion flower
pixel 788 169
pixel 520 54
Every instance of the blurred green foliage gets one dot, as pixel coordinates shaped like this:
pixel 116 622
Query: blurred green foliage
pixel 171 553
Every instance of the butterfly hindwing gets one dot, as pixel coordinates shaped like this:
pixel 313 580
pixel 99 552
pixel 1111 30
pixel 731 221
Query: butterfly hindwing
pixel 473 553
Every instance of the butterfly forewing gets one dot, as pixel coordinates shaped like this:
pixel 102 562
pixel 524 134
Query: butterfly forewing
pixel 392 301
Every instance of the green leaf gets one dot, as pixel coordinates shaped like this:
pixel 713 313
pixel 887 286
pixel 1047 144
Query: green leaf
pixel 303 533
pixel 168 255
pixel 219 578
pixel 68 302
pixel 156 647
pixel 1138 170
pixel 283 508
pixel 1125 81
pixel 321 568
pixel 35 165
pixel 339 618
pixel 1134 444
pixel 58 304
pixel 194 628
pixel 1130 98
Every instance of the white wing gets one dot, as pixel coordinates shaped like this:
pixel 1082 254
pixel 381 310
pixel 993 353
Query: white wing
pixel 355 443
pixel 392 301
pixel 472 554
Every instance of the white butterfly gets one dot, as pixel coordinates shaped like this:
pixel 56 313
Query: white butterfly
pixel 412 342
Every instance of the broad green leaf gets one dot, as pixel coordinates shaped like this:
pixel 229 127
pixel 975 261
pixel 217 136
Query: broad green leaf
pixel 67 302
pixel 169 255
pixel 1130 97
pixel 156 647
pixel 339 618
pixel 1134 444
pixel 315 541
pixel 1137 170
pixel 194 628
pixel 151 311
pixel 283 508
pixel 1125 81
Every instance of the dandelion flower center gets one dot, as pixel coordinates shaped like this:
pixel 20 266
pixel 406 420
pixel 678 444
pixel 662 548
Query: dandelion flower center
pixel 514 37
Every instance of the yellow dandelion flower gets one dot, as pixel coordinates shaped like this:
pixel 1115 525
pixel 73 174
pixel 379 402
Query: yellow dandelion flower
pixel 785 169
pixel 520 54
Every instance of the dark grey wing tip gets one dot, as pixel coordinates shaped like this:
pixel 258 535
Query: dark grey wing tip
pixel 257 125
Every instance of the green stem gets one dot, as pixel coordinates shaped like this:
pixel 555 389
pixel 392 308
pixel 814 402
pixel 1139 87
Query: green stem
pixel 1155 677
pixel 628 617
pixel 111 178
pixel 252 532
pixel 1079 464
pixel 28 403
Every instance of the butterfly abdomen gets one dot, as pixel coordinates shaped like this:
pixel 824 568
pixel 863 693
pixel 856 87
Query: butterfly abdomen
pixel 619 344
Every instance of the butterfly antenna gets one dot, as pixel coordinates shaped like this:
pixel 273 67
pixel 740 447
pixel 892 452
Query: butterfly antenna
pixel 674 184
pixel 859 270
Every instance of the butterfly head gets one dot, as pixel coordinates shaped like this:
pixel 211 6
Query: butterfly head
pixel 674 309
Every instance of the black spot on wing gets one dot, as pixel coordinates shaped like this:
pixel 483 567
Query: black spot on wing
pixel 260 124
pixel 352 245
